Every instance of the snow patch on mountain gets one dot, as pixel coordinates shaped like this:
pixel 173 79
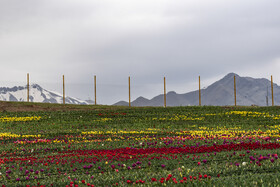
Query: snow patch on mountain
pixel 36 94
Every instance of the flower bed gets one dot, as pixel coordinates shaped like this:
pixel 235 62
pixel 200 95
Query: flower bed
pixel 141 146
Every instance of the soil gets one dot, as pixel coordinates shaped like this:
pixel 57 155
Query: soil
pixel 28 107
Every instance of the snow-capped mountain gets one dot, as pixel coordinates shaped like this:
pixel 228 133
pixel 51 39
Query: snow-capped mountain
pixel 36 94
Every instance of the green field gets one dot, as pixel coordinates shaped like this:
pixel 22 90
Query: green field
pixel 69 145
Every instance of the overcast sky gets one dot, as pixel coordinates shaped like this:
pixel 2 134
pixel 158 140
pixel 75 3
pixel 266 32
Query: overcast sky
pixel 144 39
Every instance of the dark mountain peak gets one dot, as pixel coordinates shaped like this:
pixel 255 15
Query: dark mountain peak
pixel 141 99
pixel 172 93
pixel 250 91
pixel 37 86
pixel 231 75
pixel 226 80
pixel 121 103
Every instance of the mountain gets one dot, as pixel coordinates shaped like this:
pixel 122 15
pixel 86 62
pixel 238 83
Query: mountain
pixel 249 91
pixel 36 94
pixel 121 103
pixel 89 101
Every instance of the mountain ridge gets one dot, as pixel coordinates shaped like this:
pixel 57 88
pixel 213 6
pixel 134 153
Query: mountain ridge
pixel 36 94
pixel 250 91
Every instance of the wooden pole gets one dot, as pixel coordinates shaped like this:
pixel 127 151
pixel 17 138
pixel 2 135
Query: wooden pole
pixel 234 91
pixel 199 91
pixel 272 99
pixel 129 101
pixel 95 89
pixel 27 87
pixel 164 92
pixel 63 90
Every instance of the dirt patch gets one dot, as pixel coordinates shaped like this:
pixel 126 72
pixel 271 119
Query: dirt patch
pixel 30 107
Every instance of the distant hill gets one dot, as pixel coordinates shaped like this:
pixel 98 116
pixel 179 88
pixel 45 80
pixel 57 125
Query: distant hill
pixel 250 91
pixel 36 94
pixel 121 103
pixel 89 101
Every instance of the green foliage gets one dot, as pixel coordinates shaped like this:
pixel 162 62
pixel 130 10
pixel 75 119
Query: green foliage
pixel 64 144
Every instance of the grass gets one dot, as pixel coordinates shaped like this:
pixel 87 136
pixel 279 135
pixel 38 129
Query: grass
pixel 59 145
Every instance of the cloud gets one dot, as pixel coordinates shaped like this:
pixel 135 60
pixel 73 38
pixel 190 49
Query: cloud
pixel 143 39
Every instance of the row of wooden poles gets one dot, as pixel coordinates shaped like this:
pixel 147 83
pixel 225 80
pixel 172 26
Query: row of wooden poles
pixel 164 82
pixel 63 83
pixel 272 98
pixel 29 88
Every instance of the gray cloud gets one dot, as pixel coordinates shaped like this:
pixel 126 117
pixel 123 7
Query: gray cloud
pixel 144 39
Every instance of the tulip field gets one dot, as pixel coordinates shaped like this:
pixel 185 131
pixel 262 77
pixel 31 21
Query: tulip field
pixel 141 146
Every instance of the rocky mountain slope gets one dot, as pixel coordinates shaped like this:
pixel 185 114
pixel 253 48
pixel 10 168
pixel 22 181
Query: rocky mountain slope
pixel 36 94
pixel 250 91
